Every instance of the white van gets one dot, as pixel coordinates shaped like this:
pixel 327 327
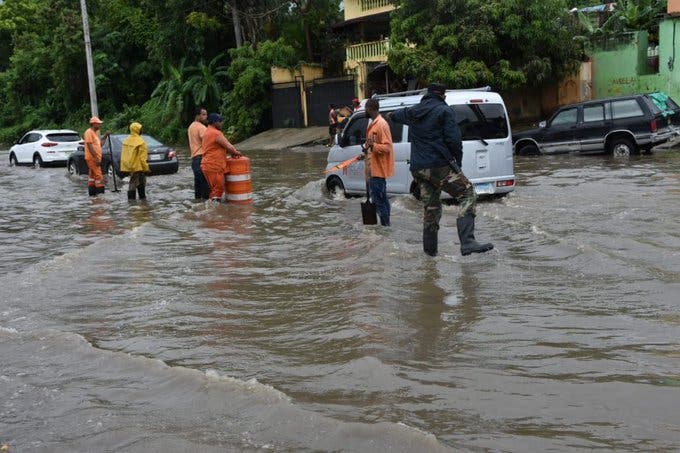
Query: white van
pixel 487 144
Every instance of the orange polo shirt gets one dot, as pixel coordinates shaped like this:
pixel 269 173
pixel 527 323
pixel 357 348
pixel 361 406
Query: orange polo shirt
pixel 214 154
pixel 382 155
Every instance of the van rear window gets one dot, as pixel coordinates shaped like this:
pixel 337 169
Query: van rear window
pixel 61 138
pixel 483 121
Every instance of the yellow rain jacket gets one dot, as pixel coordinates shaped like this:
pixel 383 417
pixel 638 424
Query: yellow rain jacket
pixel 134 154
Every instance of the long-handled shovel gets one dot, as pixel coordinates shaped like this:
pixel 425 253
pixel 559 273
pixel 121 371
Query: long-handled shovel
pixel 113 167
pixel 368 209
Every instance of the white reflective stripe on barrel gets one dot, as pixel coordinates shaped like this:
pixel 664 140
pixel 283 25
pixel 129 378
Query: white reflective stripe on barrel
pixel 234 178
pixel 239 196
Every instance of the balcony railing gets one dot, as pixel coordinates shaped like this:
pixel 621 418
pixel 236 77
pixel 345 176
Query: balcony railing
pixel 369 51
pixel 374 4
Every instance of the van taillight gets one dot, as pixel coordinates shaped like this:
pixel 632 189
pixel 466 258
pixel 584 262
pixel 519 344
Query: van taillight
pixel 652 125
pixel 505 183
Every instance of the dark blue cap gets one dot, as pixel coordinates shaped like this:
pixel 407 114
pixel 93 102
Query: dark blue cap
pixel 215 118
pixel 437 88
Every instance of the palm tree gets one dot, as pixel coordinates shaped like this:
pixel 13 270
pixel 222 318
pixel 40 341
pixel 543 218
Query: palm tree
pixel 171 91
pixel 204 82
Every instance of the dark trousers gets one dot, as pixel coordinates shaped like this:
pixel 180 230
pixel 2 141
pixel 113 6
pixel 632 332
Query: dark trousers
pixel 378 188
pixel 137 180
pixel 201 188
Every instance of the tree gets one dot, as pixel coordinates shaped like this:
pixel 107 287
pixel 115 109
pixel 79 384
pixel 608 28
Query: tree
pixel 205 82
pixel 172 92
pixel 466 43
pixel 248 102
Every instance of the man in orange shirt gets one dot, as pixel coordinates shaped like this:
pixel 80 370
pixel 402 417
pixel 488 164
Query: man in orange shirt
pixel 380 154
pixel 196 132
pixel 215 150
pixel 93 157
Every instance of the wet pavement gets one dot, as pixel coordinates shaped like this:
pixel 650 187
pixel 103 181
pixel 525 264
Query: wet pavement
pixel 288 325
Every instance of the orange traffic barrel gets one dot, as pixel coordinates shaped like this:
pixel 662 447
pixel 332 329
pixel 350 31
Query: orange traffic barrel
pixel 239 187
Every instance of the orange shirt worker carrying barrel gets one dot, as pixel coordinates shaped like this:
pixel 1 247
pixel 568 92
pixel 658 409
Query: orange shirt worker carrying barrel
pixel 215 150
pixel 93 157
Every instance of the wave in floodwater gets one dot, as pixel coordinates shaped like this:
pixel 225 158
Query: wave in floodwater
pixel 142 404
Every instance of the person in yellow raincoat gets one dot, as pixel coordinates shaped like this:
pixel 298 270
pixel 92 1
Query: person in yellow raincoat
pixel 133 161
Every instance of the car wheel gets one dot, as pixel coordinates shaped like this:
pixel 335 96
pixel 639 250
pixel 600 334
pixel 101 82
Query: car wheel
pixel 529 150
pixel 415 190
pixel 72 168
pixel 335 185
pixel 13 162
pixel 622 147
pixel 37 161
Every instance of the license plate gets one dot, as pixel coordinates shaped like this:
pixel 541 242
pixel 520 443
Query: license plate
pixel 484 189
pixel 155 157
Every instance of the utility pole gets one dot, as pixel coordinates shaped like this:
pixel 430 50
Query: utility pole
pixel 88 58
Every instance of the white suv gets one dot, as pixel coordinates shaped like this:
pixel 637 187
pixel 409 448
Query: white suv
pixel 487 144
pixel 45 147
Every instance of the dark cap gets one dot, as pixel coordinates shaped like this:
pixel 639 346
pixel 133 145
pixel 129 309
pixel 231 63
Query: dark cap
pixel 437 88
pixel 215 118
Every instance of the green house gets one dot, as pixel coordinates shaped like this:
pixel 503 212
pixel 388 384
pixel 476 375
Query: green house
pixel 632 64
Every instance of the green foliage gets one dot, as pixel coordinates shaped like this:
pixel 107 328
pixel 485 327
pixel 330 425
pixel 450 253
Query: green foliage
pixel 155 60
pixel 466 43
pixel 205 82
pixel 247 104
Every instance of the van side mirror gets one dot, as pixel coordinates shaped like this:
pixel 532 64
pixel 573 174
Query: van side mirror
pixel 543 124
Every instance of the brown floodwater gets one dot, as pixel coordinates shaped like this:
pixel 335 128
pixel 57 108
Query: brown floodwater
pixel 288 325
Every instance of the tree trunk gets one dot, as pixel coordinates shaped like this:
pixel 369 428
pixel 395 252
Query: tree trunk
pixel 305 8
pixel 308 40
pixel 238 33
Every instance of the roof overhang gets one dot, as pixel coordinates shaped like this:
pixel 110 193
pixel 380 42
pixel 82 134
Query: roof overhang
pixel 379 17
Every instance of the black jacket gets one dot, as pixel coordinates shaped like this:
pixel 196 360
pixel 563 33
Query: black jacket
pixel 433 132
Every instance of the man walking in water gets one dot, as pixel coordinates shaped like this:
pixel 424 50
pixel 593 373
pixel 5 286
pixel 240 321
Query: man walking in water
pixel 436 160
pixel 380 159
pixel 196 131
pixel 93 157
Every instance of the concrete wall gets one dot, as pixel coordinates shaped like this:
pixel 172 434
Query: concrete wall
pixel 529 105
pixel 306 72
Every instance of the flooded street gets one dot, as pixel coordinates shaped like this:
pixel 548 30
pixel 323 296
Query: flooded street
pixel 290 326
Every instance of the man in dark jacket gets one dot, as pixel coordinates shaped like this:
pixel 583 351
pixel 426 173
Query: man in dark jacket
pixel 436 160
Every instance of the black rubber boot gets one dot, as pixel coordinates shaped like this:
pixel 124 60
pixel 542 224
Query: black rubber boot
pixel 132 195
pixel 91 191
pixel 466 234
pixel 142 192
pixel 430 242
pixel 99 190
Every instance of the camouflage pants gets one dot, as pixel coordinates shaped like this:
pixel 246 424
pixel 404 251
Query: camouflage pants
pixel 432 181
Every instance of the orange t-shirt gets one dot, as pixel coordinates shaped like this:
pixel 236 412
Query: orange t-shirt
pixel 196 133
pixel 382 156
pixel 92 138
pixel 214 154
